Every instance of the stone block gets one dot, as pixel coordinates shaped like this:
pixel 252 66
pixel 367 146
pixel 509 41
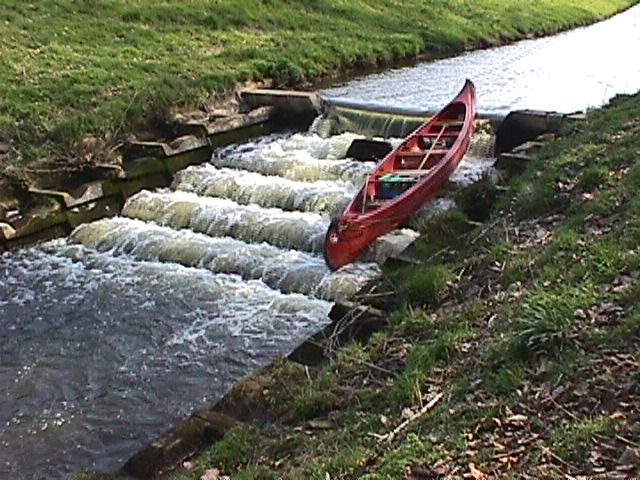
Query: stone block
pixel 99 208
pixel 144 166
pixel 288 101
pixel 201 429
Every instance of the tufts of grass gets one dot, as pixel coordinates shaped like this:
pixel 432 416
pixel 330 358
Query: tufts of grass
pixel 573 442
pixel 592 178
pixel 505 380
pixel 406 454
pixel 230 452
pixel 429 285
pixel 442 231
pixel 542 325
pixel 312 402
pixel 478 199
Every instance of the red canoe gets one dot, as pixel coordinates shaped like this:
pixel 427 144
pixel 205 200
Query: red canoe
pixel 405 179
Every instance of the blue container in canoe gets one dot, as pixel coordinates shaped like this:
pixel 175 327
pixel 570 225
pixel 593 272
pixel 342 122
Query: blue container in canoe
pixel 393 185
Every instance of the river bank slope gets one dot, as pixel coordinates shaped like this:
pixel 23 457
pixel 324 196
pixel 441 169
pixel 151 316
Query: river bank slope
pixel 80 80
pixel 514 355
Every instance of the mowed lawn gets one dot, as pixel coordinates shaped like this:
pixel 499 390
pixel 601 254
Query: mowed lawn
pixel 73 68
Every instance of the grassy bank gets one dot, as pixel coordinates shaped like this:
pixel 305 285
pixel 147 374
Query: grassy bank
pixel 516 353
pixel 72 69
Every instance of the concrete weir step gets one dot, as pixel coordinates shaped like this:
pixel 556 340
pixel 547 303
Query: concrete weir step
pixel 285 101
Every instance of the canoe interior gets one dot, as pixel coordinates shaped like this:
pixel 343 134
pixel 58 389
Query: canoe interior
pixel 412 161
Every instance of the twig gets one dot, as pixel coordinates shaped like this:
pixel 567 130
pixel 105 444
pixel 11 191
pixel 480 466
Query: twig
pixel 389 437
pixel 344 323
pixel 370 365
pixel 563 408
pixel 627 441
pixel 483 232
pixel 556 457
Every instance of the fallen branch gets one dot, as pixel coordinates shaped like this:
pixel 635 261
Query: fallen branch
pixel 389 437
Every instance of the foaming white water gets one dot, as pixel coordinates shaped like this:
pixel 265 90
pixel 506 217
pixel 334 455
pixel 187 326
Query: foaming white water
pixel 471 169
pixel 478 161
pixel 303 157
pixel 220 217
pixel 247 187
pixel 285 270
pixel 104 353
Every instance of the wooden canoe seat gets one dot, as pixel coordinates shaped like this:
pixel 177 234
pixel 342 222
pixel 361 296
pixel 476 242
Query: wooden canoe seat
pixel 435 134
pixel 413 172
pixel 412 153
pixel 448 123
pixel 420 153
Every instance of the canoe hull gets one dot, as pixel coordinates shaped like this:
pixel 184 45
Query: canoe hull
pixel 354 231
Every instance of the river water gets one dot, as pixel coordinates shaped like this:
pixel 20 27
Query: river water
pixel 569 72
pixel 109 337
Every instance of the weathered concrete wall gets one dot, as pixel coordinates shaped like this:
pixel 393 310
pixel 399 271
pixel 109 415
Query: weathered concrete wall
pixel 523 125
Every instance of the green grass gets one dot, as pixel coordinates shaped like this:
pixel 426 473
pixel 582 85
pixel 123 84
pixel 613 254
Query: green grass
pixel 72 69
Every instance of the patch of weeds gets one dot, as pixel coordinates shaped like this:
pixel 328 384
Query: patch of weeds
pixel 505 380
pixel 542 325
pixel 517 269
pixel 500 251
pixel 629 328
pixel 422 358
pixel 413 449
pixel 414 323
pixel 344 461
pixel 565 366
pixel 592 178
pixel 565 250
pixel 536 201
pixel 236 449
pixel 349 363
pixel 632 178
pixel 429 285
pixel 426 355
pixel 602 263
pixel 604 204
pixel 477 199
pixel 406 388
pixel 573 442
pixel 311 402
pixel 443 230
pixel 269 390
pixel 631 297
pixel 256 472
